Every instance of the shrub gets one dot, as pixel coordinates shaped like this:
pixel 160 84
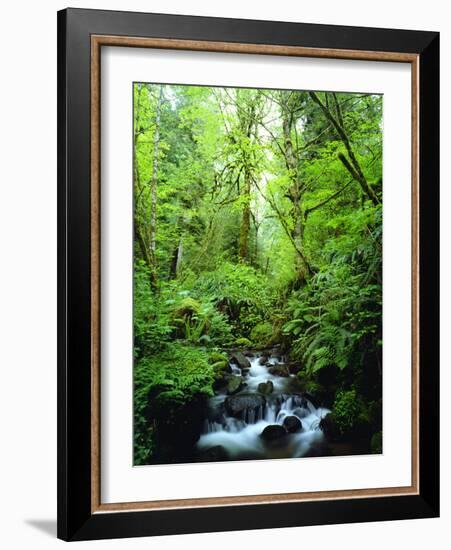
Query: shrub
pixel 200 322
pixel 152 324
pixel 347 409
pixel 240 292
pixel 335 318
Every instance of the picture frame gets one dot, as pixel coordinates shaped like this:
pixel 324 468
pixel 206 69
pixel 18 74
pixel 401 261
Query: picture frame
pixel 81 36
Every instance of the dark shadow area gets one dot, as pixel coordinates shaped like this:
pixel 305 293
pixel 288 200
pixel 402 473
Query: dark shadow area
pixel 46 526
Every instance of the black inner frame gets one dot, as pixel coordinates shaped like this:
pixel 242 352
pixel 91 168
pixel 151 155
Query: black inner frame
pixel 75 520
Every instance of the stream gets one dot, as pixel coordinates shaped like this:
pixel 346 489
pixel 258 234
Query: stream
pixel 260 413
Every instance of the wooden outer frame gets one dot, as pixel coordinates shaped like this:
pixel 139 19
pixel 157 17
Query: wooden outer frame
pixel 85 516
pixel 97 41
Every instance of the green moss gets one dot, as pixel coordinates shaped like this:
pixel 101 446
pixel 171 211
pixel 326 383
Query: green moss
pixel 220 367
pixel 215 356
pixel 187 308
pixel 243 342
pixel 262 334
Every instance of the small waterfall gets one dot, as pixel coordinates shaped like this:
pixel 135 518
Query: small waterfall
pixel 235 369
pixel 240 434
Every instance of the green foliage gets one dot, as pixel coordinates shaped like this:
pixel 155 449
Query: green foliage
pixel 152 325
pixel 346 409
pixel 220 366
pixel 250 230
pixel 240 292
pixel 163 383
pixel 187 309
pixel 308 385
pixel 197 322
pixel 338 313
pixel 243 342
pixel 262 334
pixel 215 356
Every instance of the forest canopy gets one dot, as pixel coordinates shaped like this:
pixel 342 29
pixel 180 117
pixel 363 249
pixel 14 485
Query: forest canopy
pixel 257 225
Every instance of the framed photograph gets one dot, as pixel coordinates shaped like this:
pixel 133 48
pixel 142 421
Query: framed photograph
pixel 248 274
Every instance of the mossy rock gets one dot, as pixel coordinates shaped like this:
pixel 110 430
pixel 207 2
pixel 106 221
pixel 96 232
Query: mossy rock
pixel 279 370
pixel 266 387
pixel 243 342
pixel 241 360
pixel 187 308
pixel 220 367
pixel 376 443
pixel 216 357
pixel 234 385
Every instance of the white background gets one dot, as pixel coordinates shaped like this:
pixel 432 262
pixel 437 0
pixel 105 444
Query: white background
pixel 28 275
pixel 119 481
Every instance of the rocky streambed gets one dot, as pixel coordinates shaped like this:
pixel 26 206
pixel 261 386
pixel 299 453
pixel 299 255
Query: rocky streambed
pixel 259 412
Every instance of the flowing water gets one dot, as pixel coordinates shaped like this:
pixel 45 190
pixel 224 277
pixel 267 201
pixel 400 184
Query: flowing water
pixel 237 430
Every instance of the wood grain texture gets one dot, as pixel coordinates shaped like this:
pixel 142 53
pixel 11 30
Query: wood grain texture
pixel 95 276
pixel 261 49
pixel 124 41
pixel 415 68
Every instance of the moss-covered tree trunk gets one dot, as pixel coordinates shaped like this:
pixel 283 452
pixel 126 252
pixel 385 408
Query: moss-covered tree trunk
pixel 243 250
pixel 295 192
pixel 153 193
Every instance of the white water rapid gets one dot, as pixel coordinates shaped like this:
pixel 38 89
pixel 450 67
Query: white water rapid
pixel 236 422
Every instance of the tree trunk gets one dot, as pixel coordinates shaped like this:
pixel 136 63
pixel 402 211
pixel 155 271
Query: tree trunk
pixel 243 250
pixel 138 229
pixel 246 105
pixel 295 195
pixel 177 258
pixel 153 192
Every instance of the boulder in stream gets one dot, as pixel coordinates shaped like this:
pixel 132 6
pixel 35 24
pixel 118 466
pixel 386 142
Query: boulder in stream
pixel 213 454
pixel 279 370
pixel 240 359
pixel 292 424
pixel 236 405
pixel 273 432
pixel 234 384
pixel 266 388
pixel 330 427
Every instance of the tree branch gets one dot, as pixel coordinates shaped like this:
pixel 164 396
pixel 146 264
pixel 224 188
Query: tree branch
pixel 330 198
pixel 352 165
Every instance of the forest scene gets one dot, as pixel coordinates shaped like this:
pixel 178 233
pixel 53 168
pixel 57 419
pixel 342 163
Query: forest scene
pixel 257 273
